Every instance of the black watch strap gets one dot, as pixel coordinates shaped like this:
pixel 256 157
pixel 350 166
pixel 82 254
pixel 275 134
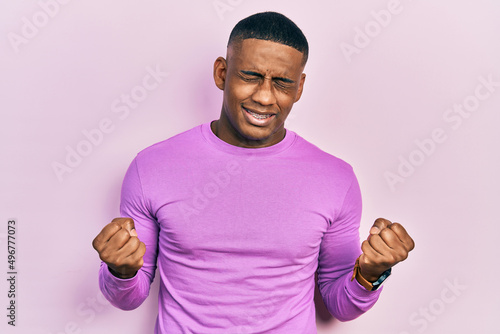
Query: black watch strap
pixel 356 274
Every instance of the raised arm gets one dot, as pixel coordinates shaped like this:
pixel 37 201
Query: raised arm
pixel 345 299
pixel 348 293
pixel 128 247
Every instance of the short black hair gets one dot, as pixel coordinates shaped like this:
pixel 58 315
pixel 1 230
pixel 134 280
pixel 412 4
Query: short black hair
pixel 271 26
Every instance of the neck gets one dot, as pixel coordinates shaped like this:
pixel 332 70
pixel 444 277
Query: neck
pixel 232 137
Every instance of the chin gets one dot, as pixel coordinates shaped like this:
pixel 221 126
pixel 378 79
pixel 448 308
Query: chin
pixel 255 133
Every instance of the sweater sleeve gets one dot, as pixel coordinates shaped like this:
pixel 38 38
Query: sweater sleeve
pixel 345 299
pixel 128 294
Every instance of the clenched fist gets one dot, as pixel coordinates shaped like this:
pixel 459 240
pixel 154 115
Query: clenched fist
pixel 119 247
pixel 387 244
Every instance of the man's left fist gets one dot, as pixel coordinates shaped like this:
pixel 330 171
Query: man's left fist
pixel 387 244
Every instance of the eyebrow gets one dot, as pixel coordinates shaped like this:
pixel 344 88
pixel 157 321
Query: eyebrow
pixel 261 76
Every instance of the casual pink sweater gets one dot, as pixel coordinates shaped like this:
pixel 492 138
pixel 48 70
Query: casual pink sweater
pixel 238 234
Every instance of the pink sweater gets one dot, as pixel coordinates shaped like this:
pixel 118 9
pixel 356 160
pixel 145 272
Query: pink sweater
pixel 238 234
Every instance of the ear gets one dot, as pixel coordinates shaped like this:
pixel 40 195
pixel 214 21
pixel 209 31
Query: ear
pixel 220 70
pixel 301 87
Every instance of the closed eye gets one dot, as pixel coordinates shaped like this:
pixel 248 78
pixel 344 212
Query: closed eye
pixel 283 84
pixel 254 76
pixel 250 76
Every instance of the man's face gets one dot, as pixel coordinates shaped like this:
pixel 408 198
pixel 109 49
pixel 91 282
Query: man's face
pixel 261 81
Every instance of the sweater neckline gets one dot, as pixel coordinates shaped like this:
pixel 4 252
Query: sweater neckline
pixel 221 145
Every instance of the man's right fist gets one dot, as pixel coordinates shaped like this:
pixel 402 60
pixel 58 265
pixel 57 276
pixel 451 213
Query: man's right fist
pixel 119 247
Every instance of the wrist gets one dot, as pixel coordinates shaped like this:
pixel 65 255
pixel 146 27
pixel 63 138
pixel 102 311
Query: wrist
pixel 119 275
pixel 369 283
pixel 370 278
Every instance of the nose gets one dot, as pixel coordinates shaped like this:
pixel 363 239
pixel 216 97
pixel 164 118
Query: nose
pixel 264 93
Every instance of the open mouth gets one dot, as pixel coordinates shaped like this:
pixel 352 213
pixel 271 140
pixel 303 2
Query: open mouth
pixel 258 119
pixel 258 116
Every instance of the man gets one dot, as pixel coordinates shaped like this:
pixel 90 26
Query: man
pixel 240 213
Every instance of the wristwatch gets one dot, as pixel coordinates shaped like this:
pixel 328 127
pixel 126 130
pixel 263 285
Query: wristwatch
pixel 356 274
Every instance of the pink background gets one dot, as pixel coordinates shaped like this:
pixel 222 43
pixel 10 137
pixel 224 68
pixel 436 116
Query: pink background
pixel 65 68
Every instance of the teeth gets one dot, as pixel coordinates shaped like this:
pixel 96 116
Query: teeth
pixel 257 115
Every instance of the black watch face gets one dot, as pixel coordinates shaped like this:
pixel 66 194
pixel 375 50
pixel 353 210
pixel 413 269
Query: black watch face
pixel 381 279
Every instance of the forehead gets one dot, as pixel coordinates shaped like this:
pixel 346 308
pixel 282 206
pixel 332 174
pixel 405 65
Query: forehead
pixel 265 56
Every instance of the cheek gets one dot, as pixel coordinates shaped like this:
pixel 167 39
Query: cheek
pixel 239 93
pixel 286 102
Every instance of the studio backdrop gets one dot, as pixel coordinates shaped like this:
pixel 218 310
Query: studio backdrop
pixel 407 92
